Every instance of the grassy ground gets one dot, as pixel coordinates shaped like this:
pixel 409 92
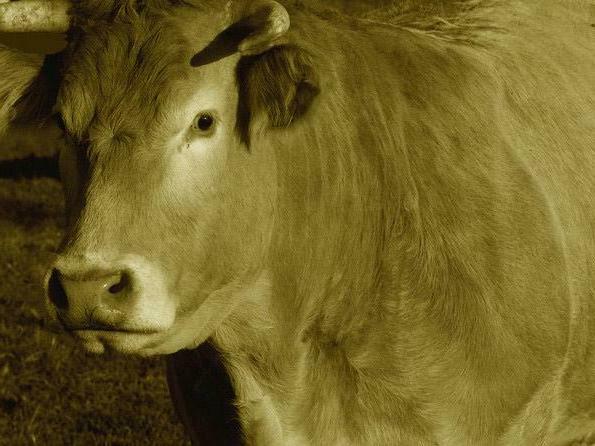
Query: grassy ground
pixel 51 392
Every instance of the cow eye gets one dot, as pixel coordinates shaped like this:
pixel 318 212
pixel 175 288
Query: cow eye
pixel 204 124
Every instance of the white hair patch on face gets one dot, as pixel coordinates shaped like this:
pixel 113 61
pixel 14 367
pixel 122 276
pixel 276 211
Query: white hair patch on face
pixel 205 125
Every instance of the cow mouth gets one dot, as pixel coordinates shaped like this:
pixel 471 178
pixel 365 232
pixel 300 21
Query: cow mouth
pixel 99 328
pixel 100 339
pixel 110 330
pixel 124 337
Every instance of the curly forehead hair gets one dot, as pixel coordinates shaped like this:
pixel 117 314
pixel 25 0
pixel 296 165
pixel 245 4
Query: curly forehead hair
pixel 125 56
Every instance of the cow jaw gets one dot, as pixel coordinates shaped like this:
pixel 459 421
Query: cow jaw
pixel 193 328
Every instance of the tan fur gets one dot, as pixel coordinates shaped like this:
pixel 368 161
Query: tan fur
pixel 408 260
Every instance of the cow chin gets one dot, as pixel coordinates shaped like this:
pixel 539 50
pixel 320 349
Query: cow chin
pixel 129 342
pixel 99 342
pixel 185 333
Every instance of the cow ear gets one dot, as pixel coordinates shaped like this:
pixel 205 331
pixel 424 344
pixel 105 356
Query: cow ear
pixel 278 85
pixel 278 80
pixel 37 102
pixel 28 88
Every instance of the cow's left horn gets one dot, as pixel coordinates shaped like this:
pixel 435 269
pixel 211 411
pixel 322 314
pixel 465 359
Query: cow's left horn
pixel 267 20
pixel 34 16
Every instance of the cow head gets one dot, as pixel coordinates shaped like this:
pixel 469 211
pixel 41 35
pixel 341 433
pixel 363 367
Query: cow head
pixel 170 196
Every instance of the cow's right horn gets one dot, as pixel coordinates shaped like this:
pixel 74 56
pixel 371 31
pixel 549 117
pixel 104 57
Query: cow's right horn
pixel 34 16
pixel 266 21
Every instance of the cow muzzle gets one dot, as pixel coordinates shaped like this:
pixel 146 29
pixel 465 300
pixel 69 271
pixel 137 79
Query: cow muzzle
pixel 119 304
pixel 98 299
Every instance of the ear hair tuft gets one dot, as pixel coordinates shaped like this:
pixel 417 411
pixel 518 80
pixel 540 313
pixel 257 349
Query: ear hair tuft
pixel 37 102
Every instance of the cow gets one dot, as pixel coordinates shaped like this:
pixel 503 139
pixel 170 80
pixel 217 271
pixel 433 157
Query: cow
pixel 371 230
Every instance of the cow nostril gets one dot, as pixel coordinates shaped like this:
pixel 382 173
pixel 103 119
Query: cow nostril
pixel 56 292
pixel 121 285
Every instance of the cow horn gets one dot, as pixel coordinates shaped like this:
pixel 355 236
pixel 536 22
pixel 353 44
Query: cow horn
pixel 267 20
pixel 34 16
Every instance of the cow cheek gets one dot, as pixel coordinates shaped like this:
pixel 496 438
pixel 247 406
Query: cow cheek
pixel 188 215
